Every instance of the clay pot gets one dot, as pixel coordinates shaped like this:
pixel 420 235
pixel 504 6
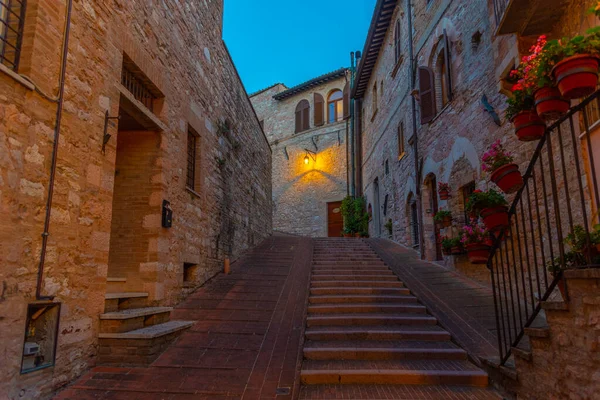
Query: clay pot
pixel 508 178
pixel 357 235
pixel 549 104
pixel 478 253
pixel 456 250
pixel 444 195
pixel 576 76
pixel 495 218
pixel 528 126
pixel 348 235
pixel 446 222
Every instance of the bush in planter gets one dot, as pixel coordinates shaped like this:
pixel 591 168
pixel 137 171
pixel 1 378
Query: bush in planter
pixel 349 216
pixel 504 172
pixel 580 242
pixel 443 218
pixel 444 190
pixel 476 240
pixel 451 245
pixel 389 225
pixel 492 207
pixel 521 110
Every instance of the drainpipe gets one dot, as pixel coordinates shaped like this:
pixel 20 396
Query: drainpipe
pixel 413 80
pixel 59 108
pixel 352 150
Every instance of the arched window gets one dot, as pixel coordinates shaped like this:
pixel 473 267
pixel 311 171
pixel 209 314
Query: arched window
pixel 397 41
pixel 335 106
pixel 442 78
pixel 303 116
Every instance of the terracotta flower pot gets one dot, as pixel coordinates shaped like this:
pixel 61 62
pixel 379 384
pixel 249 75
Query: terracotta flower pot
pixel 478 253
pixel 495 218
pixel 348 235
pixel 508 178
pixel 444 195
pixel 447 252
pixel 549 104
pixel 357 235
pixel 529 126
pixel 576 76
pixel 446 222
pixel 456 250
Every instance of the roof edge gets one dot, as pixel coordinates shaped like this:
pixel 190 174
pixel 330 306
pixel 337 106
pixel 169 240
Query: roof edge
pixel 319 80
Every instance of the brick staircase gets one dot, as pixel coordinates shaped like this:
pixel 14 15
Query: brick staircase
pixel 131 332
pixel 366 334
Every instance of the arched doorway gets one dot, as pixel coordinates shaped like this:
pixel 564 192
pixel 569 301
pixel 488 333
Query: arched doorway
pixel 412 229
pixel 432 248
pixel 376 205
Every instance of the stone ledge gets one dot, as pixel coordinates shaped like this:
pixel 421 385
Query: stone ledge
pixel 537 332
pixel 586 273
pixel 494 363
pixel 555 305
pixel 17 77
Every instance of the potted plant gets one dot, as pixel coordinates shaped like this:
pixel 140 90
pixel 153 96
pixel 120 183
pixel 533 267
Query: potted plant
pixel 457 246
pixel 493 209
pixel 521 106
pixel 575 62
pixel 476 240
pixel 349 216
pixel 444 191
pixel 582 243
pixel 444 218
pixel 446 245
pixel 504 173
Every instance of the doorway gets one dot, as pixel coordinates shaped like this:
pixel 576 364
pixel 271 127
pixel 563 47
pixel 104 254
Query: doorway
pixel 435 251
pixel 335 221
pixel 376 215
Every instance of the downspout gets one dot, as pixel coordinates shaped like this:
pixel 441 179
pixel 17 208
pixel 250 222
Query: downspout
pixel 413 79
pixel 352 150
pixel 358 145
pixel 59 108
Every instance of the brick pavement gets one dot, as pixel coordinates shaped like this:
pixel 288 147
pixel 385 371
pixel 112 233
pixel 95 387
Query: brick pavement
pixel 245 345
pixel 463 307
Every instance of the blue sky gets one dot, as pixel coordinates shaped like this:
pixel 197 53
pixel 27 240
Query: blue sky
pixel 292 41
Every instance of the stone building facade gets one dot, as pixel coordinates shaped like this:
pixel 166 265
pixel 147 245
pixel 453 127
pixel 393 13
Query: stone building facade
pixel 458 41
pixel 187 140
pixel 310 171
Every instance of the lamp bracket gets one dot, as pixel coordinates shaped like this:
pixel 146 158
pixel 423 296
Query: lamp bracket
pixel 312 154
pixel 106 136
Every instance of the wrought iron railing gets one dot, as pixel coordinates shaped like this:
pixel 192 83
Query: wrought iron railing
pixel 499 9
pixel 137 87
pixel 560 196
pixel 12 16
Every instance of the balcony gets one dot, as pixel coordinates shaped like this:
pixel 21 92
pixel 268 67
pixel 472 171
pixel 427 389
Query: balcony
pixel 527 17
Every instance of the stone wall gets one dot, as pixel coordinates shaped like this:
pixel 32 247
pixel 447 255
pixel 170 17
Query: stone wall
pixel 178 47
pixel 301 191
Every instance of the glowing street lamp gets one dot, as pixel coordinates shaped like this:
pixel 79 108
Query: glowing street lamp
pixel 312 155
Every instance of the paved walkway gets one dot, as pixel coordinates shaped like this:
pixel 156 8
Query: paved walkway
pixel 462 306
pixel 245 345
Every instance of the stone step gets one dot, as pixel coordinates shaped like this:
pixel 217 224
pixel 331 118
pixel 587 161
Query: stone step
pixel 339 291
pixel 115 301
pixel 342 272
pixel 399 372
pixel 440 392
pixel 349 262
pixel 360 350
pixel 421 333
pixel 335 299
pixel 366 308
pixel 141 346
pixel 342 283
pixel 369 319
pixel 132 319
pixel 115 284
pixel 356 277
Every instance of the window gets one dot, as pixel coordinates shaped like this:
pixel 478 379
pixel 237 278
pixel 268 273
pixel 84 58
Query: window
pixel 387 167
pixel 12 14
pixel 138 84
pixel 190 272
pixel 375 99
pixel 426 94
pixel 302 116
pixel 335 106
pixel 442 75
pixel 466 192
pixel 192 140
pixel 400 140
pixel 41 334
pixel 397 42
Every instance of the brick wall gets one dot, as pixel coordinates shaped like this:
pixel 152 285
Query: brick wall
pixel 179 48
pixel 301 191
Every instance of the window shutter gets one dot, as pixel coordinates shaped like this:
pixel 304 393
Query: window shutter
pixel 426 94
pixel 448 66
pixel 298 120
pixel 397 40
pixel 319 109
pixel 346 101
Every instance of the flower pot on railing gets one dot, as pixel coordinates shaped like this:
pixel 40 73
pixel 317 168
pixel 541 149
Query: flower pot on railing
pixel 495 218
pixel 478 253
pixel 444 194
pixel 529 126
pixel 549 104
pixel 576 76
pixel 508 178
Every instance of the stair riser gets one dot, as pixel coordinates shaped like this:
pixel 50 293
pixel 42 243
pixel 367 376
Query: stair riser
pixel 112 305
pixel 394 378
pixel 323 291
pixel 349 262
pixel 130 324
pixel 324 321
pixel 354 277
pixel 386 336
pixel 317 272
pixel 115 287
pixel 356 309
pixel 363 300
pixel 387 354
pixel 359 284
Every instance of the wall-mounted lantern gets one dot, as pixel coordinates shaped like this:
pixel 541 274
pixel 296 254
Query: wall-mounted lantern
pixel 312 155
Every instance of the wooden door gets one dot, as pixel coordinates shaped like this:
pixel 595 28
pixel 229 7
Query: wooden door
pixel 434 209
pixel 335 222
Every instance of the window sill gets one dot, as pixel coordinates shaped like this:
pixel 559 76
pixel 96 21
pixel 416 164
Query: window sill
pixel 17 77
pixel 374 115
pixel 440 113
pixel 192 191
pixel 402 156
pixel 397 66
